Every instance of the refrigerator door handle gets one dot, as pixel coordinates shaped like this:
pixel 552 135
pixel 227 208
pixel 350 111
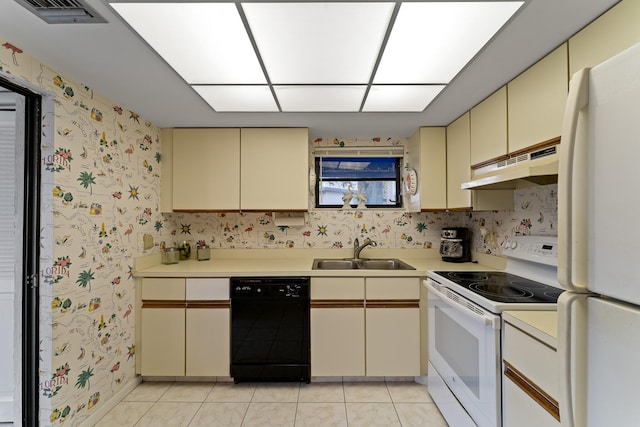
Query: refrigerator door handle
pixel 577 100
pixel 566 355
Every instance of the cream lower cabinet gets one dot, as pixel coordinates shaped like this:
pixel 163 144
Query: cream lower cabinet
pixel 348 339
pixel 337 326
pixel 530 378
pixel 185 327
pixel 207 341
pixel 208 327
pixel 163 327
pixel 393 326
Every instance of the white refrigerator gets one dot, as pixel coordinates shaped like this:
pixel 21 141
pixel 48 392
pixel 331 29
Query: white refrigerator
pixel 599 246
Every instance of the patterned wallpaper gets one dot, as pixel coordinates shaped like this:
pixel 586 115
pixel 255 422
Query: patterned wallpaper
pixel 535 214
pixel 101 187
pixel 100 167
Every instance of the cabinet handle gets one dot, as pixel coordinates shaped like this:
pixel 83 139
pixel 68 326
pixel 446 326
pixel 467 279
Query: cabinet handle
pixel 337 303
pixel 394 303
pixel 547 402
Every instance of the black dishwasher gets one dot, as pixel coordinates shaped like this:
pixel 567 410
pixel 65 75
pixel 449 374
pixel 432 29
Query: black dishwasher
pixel 270 332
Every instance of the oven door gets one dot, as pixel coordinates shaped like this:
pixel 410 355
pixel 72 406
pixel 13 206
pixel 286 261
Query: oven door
pixel 464 348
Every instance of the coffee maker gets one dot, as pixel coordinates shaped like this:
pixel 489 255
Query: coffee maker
pixel 455 244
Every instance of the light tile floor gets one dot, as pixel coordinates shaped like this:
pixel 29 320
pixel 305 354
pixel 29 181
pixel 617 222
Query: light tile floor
pixel 276 404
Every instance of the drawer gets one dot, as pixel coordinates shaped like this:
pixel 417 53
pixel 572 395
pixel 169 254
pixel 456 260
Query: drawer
pixel 207 289
pixel 537 361
pixel 393 288
pixel 337 288
pixel 163 289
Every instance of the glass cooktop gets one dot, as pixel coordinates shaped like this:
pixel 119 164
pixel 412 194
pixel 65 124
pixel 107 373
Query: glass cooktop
pixel 503 287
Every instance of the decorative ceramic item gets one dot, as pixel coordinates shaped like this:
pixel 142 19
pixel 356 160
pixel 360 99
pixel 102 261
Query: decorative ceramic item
pixel 346 199
pixel 411 181
pixel 362 199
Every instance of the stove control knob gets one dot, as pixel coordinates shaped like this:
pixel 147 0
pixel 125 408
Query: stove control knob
pixel 514 244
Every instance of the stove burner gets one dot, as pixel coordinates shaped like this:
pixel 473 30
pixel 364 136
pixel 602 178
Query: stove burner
pixel 504 291
pixel 476 276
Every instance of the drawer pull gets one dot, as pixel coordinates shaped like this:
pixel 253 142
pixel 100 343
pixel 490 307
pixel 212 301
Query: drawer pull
pixel 547 402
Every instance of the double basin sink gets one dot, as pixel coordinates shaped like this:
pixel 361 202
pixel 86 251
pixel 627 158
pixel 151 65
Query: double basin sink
pixel 360 264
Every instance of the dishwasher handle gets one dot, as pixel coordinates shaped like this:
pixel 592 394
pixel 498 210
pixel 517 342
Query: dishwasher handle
pixel 461 304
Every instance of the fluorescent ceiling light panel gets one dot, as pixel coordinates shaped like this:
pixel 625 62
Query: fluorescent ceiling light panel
pixel 431 42
pixel 231 98
pixel 307 43
pixel 203 42
pixel 400 98
pixel 320 98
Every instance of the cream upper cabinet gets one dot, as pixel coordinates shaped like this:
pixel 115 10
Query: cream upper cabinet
pixel 613 32
pixel 458 162
pixel 274 169
pixel 536 101
pixel 489 128
pixel 431 144
pixel 205 169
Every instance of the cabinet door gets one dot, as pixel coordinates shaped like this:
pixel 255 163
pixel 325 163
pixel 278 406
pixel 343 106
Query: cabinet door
pixel 432 171
pixel 162 326
pixel 536 101
pixel 489 128
pixel 393 341
pixel 337 341
pixel 605 37
pixel 458 163
pixel 520 410
pixel 163 336
pixel 208 342
pixel 206 174
pixel 275 169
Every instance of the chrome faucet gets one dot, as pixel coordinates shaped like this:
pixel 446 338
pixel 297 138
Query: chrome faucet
pixel 357 248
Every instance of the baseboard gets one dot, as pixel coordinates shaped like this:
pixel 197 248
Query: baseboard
pixel 108 406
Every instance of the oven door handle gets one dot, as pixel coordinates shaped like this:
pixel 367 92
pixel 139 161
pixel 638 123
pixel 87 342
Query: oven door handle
pixel 460 303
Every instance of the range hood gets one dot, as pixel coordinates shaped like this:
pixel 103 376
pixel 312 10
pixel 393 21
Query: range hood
pixel 540 167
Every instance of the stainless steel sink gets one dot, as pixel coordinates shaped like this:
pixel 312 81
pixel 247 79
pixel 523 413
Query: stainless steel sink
pixel 360 264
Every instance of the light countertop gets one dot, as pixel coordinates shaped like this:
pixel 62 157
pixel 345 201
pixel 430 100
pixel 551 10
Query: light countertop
pixel 299 263
pixel 542 325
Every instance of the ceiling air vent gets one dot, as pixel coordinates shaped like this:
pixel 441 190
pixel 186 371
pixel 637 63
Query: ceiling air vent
pixel 62 11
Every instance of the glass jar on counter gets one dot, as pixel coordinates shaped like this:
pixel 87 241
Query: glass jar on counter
pixel 170 255
pixel 185 250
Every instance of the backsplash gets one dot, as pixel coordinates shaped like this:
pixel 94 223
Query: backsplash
pixel 535 213
pixel 321 230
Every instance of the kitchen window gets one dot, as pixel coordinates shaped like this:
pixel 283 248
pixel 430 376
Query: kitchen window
pixel 377 177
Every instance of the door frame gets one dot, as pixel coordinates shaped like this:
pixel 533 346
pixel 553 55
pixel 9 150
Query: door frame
pixel 30 295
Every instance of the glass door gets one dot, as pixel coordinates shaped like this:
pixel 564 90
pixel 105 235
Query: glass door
pixel 19 253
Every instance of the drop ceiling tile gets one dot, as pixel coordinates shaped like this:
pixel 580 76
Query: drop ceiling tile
pixel 432 41
pixel 400 98
pixel 233 98
pixel 320 98
pixel 308 43
pixel 203 42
